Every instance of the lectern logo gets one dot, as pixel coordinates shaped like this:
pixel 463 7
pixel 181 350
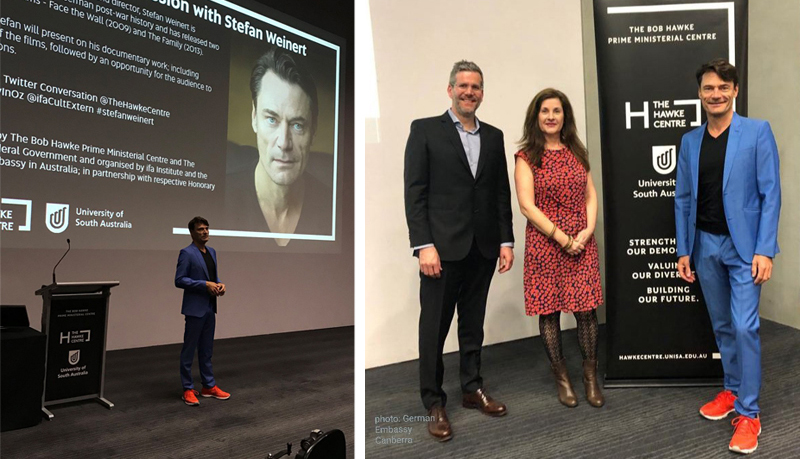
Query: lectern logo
pixel 74 357
pixel 664 157
pixel 75 336
pixel 57 217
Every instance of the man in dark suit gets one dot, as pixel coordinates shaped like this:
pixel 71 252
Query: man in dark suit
pixel 458 211
pixel 197 276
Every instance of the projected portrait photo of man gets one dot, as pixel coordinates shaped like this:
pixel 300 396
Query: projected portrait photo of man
pixel 276 181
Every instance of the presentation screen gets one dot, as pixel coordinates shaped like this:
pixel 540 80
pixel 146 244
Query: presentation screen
pixel 122 120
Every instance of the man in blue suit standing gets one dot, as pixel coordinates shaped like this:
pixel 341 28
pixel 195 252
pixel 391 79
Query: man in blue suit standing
pixel 727 203
pixel 197 276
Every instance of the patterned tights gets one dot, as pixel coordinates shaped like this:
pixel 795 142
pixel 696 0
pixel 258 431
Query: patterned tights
pixel 550 330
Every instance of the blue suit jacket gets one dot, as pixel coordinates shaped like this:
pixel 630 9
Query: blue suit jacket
pixel 751 188
pixel 191 276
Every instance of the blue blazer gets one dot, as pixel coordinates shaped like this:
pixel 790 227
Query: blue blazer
pixel 751 188
pixel 191 276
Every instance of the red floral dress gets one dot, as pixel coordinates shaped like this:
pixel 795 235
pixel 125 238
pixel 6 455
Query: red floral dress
pixel 554 280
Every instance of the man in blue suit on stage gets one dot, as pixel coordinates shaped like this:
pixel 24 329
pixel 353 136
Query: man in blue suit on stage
pixel 727 202
pixel 197 276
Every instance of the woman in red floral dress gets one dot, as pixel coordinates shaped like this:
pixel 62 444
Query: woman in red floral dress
pixel 562 272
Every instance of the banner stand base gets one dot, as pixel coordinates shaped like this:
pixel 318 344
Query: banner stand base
pixel 98 399
pixel 639 383
pixel 105 402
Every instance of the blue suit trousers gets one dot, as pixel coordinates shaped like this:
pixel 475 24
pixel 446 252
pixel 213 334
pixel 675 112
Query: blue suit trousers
pixel 198 334
pixel 732 300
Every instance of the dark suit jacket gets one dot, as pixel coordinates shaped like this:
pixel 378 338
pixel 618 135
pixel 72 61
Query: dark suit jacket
pixel 445 205
pixel 191 276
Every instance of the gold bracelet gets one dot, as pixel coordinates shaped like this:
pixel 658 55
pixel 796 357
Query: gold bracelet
pixel 569 242
pixel 552 232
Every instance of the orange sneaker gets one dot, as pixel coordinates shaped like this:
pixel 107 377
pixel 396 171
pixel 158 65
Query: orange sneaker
pixel 190 397
pixel 214 392
pixel 720 407
pixel 745 436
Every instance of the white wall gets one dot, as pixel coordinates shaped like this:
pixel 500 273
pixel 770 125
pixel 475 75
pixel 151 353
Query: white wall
pixel 522 47
pixel 267 292
pixel 775 96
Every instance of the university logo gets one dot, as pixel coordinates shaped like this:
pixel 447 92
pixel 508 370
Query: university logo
pixel 664 158
pixel 57 217
pixel 74 357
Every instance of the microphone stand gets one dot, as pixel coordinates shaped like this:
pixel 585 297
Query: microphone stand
pixel 59 261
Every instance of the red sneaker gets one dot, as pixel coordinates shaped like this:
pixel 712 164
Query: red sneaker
pixel 720 407
pixel 214 392
pixel 745 436
pixel 190 397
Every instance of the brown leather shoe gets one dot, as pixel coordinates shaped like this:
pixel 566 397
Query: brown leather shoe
pixel 484 403
pixel 439 426
pixel 566 395
pixel 593 394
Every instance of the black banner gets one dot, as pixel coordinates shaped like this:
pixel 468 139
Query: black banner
pixel 76 338
pixel 647 55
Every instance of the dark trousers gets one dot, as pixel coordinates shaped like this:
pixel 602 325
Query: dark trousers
pixel 199 334
pixel 464 285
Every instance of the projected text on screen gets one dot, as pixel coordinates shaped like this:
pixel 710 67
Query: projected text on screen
pixel 121 120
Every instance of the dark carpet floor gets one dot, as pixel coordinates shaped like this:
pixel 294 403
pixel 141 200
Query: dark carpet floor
pixel 634 423
pixel 282 386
